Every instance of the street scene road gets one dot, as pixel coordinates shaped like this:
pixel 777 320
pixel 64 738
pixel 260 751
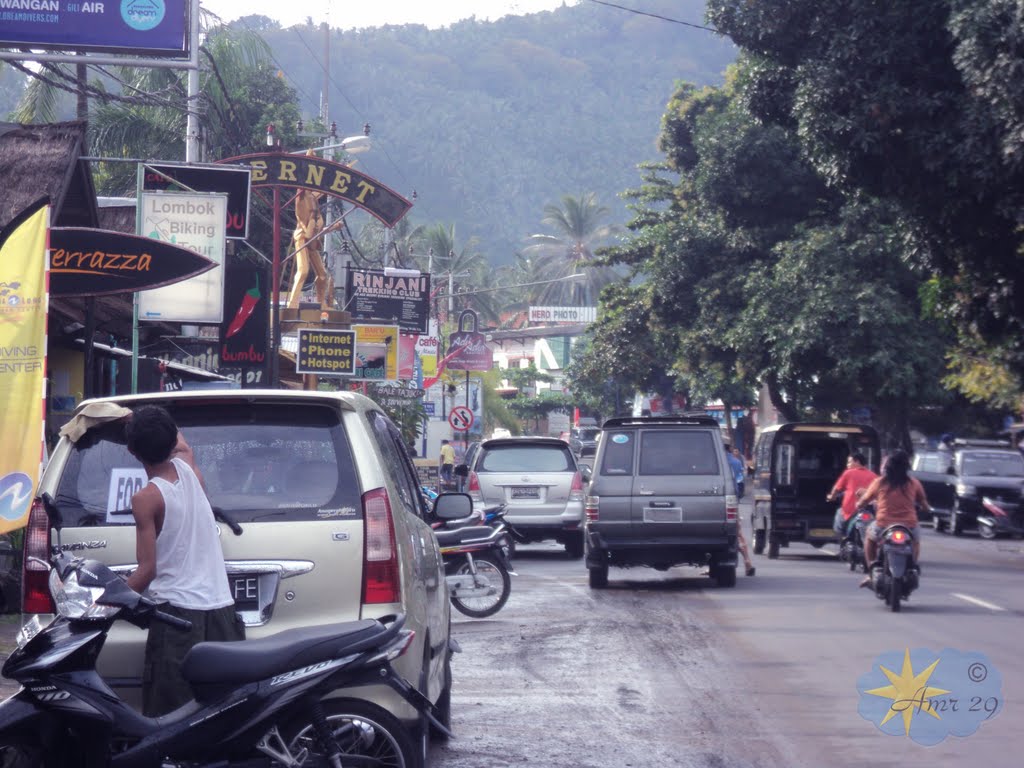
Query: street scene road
pixel 664 669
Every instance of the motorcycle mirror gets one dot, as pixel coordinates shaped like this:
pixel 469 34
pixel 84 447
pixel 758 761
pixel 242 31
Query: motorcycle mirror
pixel 452 506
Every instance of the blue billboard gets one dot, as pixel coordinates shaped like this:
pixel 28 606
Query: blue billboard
pixel 139 27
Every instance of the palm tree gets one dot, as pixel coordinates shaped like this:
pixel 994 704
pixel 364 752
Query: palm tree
pixel 578 232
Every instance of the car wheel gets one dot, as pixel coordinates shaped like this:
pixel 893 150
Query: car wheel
pixel 598 576
pixel 725 576
pixel 986 531
pixel 940 525
pixel 773 548
pixel 574 546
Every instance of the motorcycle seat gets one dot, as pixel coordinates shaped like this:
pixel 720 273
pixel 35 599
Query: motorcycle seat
pixel 252 660
pixel 469 535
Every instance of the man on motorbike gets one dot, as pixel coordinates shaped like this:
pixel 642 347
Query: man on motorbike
pixel 852 483
pixel 897 497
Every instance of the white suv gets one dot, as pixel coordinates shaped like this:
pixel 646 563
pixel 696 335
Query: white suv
pixel 332 524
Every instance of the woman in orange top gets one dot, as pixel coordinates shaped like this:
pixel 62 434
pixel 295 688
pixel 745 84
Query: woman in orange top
pixel 897 497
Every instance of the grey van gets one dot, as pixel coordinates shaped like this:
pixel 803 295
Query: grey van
pixel 661 495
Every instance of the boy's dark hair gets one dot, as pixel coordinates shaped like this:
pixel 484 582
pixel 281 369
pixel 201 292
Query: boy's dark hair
pixel 859 458
pixel 897 469
pixel 151 434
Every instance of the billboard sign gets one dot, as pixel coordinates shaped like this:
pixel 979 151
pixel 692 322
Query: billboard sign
pixel 325 352
pixel 244 332
pixel 137 27
pixel 377 352
pixel 370 294
pixel 94 262
pixel 232 181
pixel 195 221
pixel 562 314
pixel 468 349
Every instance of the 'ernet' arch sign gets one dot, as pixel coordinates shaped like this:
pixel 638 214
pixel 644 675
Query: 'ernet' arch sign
pixel 278 169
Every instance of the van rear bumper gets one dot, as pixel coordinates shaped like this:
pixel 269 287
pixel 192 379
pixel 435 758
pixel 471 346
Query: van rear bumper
pixel 662 551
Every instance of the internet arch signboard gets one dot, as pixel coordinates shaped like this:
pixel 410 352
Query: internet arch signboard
pixel 139 27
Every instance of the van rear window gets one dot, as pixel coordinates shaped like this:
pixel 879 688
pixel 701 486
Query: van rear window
pixel 261 462
pixel 671 452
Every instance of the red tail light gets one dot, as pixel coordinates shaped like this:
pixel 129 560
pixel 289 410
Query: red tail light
pixel 381 577
pixel 35 577
pixel 473 487
pixel 732 509
pixel 576 491
pixel 865 515
pixel 898 536
pixel 593 508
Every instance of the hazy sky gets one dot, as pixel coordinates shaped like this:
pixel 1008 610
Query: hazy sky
pixel 348 14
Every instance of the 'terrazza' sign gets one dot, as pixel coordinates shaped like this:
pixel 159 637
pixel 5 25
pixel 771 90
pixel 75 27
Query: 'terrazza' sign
pixel 563 314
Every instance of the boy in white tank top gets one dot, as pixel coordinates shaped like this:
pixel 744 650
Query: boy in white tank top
pixel 180 561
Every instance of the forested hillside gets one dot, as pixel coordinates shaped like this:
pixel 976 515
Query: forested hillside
pixel 488 122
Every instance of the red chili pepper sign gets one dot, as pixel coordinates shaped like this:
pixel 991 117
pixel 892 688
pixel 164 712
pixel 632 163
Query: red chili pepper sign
pixel 245 310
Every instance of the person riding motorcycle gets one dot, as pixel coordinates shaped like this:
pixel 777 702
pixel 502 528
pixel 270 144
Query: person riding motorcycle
pixel 851 484
pixel 897 497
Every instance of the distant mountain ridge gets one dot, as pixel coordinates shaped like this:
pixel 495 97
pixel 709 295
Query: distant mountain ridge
pixel 490 121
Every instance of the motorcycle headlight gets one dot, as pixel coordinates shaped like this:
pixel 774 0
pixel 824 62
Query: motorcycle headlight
pixel 966 490
pixel 74 601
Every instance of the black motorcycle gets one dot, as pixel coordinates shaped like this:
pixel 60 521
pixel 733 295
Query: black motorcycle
pixel 895 574
pixel 851 548
pixel 258 704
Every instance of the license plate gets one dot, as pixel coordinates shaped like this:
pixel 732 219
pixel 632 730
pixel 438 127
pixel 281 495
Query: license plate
pixel 526 492
pixel 669 515
pixel 245 589
pixel 822 533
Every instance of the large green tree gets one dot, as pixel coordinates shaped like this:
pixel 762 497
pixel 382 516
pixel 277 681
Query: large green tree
pixel 921 104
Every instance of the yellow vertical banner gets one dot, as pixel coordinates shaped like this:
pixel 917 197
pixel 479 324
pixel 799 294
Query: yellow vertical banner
pixel 24 271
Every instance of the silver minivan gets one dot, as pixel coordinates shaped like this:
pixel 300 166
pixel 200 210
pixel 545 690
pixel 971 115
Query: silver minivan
pixel 661 495
pixel 538 481
pixel 332 521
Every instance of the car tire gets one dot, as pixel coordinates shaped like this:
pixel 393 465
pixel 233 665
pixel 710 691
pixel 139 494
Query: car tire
pixel 598 576
pixel 986 531
pixel 773 548
pixel 940 526
pixel 725 576
pixel 760 535
pixel 574 546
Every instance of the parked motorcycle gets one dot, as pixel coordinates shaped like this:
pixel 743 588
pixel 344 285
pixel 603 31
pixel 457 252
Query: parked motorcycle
pixel 1000 519
pixel 895 574
pixel 851 548
pixel 258 703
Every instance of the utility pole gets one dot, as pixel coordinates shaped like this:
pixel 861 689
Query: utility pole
pixel 192 101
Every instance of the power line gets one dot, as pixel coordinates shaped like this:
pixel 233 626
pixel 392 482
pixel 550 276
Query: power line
pixel 656 16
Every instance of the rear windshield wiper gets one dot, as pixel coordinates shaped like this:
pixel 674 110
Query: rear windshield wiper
pixel 221 515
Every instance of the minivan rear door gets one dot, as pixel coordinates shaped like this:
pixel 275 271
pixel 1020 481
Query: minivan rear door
pixel 679 484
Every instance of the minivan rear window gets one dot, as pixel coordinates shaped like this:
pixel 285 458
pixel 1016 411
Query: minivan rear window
pixel 526 458
pixel 261 462
pixel 671 452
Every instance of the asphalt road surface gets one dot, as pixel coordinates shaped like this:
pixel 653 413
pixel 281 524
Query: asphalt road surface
pixel 665 669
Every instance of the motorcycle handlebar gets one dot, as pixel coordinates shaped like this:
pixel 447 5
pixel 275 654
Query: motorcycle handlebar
pixel 173 621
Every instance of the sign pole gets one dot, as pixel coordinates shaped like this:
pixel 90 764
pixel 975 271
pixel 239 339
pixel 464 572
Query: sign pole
pixel 192 102
pixel 275 295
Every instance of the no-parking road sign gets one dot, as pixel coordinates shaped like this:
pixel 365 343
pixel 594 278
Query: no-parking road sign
pixel 461 418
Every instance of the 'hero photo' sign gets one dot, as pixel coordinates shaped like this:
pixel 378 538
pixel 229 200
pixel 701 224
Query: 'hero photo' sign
pixel 138 27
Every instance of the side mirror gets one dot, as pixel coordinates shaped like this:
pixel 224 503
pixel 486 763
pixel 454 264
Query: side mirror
pixel 586 473
pixel 453 506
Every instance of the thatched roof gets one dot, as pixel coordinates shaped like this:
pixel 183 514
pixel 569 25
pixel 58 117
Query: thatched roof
pixel 38 160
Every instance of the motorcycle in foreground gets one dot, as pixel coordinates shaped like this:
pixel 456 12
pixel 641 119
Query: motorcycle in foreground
pixel 476 560
pixel 851 548
pixel 1000 519
pixel 258 704
pixel 895 574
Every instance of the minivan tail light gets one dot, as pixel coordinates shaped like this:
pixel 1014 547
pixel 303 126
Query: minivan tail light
pixel 381 577
pixel 732 509
pixel 473 487
pixel 35 576
pixel 592 508
pixel 576 490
